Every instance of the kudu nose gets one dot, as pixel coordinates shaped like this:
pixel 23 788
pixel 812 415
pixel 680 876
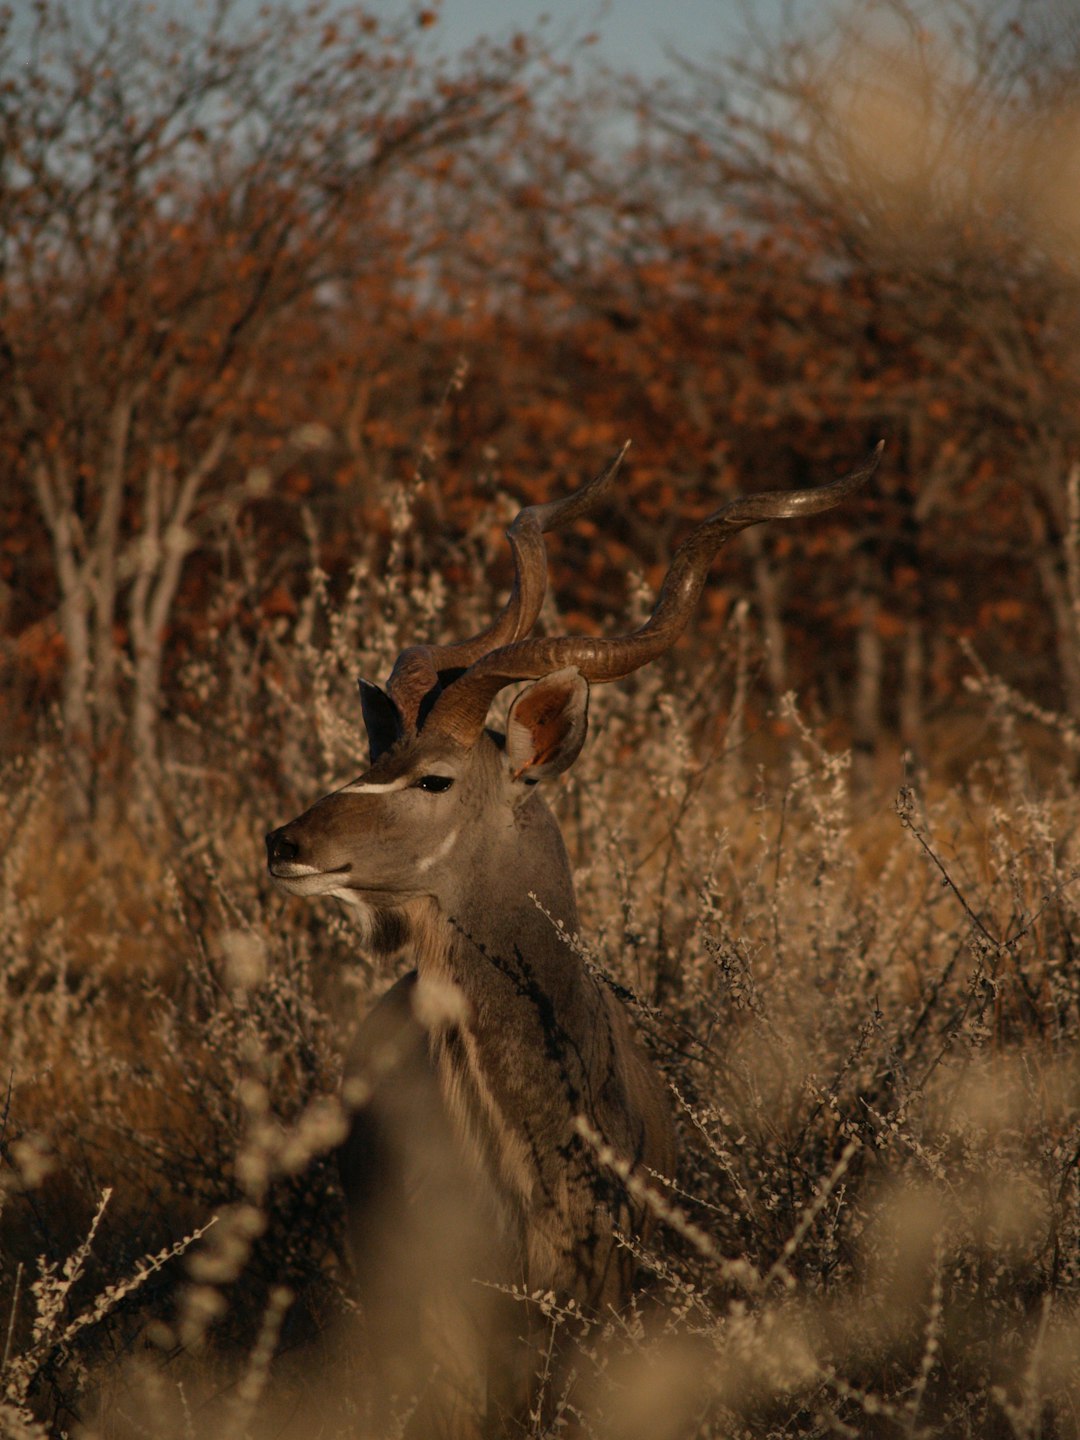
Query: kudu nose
pixel 279 848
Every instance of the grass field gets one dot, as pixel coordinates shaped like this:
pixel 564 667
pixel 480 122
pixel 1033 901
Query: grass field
pixel 867 1006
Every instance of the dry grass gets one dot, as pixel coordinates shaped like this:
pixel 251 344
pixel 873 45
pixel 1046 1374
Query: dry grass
pixel 867 1008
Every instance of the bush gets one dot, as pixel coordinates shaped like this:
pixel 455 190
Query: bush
pixel 867 1013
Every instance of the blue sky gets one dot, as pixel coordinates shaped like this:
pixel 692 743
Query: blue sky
pixel 634 33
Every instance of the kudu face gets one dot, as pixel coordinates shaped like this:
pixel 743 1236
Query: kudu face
pixel 389 835
pixel 421 816
pixel 432 816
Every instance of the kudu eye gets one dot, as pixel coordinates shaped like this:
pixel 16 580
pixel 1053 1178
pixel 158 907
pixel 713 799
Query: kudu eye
pixel 433 784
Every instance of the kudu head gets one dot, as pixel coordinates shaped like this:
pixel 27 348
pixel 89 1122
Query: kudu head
pixel 444 795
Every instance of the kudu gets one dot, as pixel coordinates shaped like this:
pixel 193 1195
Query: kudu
pixel 465 1171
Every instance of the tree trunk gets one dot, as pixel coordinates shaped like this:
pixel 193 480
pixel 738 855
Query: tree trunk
pixel 735 737
pixel 1058 564
pixel 768 590
pixel 1055 587
pixel 104 581
pixel 869 665
pixel 54 501
pixel 163 547
pixel 911 690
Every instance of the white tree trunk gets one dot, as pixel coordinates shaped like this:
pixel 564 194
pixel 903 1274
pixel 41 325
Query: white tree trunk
pixel 53 492
pixel 163 546
pixel 869 667
pixel 911 689
pixel 104 579
pixel 768 591
pixel 735 738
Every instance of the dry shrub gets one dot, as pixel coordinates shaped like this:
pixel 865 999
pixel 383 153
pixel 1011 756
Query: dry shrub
pixel 867 1012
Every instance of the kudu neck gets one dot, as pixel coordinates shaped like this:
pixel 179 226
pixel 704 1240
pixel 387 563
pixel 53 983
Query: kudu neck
pixel 509 904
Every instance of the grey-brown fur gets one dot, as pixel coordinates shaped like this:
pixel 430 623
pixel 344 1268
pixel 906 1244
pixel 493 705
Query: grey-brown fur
pixel 464 1163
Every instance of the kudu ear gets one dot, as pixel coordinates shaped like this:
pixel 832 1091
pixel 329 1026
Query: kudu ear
pixel 547 724
pixel 382 719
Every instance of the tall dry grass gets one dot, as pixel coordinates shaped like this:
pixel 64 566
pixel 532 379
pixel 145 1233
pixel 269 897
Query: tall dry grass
pixel 867 1007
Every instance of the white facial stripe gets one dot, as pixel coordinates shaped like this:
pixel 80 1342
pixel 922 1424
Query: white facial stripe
pixel 439 854
pixel 361 787
pixel 349 897
pixel 305 880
